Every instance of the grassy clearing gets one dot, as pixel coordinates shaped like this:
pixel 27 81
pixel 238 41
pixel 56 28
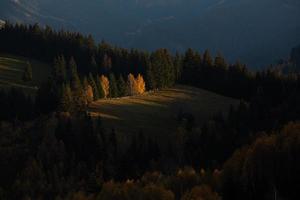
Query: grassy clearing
pixel 156 112
pixel 12 69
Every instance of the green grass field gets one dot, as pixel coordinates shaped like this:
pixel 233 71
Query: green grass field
pixel 156 112
pixel 12 69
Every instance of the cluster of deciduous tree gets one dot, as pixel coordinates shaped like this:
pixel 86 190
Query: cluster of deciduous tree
pixel 267 169
pixel 67 92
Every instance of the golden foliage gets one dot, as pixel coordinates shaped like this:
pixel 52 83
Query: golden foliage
pixel 141 86
pixel 201 193
pixel 105 85
pixel 136 85
pixel 89 94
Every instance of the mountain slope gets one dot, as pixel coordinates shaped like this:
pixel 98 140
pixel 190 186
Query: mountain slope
pixel 257 32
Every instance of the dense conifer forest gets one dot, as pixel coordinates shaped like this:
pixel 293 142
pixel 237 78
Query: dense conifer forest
pixel 52 148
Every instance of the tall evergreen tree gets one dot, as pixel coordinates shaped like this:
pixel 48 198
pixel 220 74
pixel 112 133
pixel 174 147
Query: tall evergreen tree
pixel 207 59
pixel 113 89
pixel 122 88
pixel 220 61
pixel 150 77
pixel 163 68
pixel 106 64
pixel 27 76
pixel 65 103
pixel 177 66
pixel 79 97
pixel 59 69
pixel 94 67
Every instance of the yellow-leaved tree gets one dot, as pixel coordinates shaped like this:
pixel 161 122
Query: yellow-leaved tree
pixel 136 85
pixel 105 85
pixel 141 86
pixel 131 84
pixel 89 93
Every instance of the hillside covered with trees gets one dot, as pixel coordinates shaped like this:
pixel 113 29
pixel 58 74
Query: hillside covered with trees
pixel 52 148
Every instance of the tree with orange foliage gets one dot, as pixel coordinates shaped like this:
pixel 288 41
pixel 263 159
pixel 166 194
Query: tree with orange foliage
pixel 105 85
pixel 136 85
pixel 141 86
pixel 131 84
pixel 89 94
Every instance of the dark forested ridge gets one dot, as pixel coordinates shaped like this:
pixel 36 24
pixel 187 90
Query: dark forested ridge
pixel 52 148
pixel 244 30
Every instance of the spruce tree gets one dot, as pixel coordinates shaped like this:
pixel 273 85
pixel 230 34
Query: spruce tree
pixel 79 97
pixel 207 60
pixel 65 103
pixel 113 89
pixel 151 82
pixel 177 65
pixel 27 76
pixel 163 68
pixel 122 88
pixel 59 69
pixel 94 67
pixel 220 61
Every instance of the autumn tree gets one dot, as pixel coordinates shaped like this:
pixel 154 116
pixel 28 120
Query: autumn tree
pixel 100 87
pixel 88 90
pixel 140 84
pixel 105 85
pixel 131 84
pixel 93 84
pixel 136 85
pixel 201 192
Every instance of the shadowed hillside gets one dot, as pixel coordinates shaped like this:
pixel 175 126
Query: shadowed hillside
pixel 157 112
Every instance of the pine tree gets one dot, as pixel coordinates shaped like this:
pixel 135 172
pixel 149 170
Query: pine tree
pixel 163 68
pixel 59 69
pixel 220 61
pixel 207 60
pixel 151 82
pixel 113 89
pixel 122 86
pixel 65 103
pixel 27 76
pixel 92 83
pixel 94 67
pixel 177 65
pixel 106 64
pixel 79 97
